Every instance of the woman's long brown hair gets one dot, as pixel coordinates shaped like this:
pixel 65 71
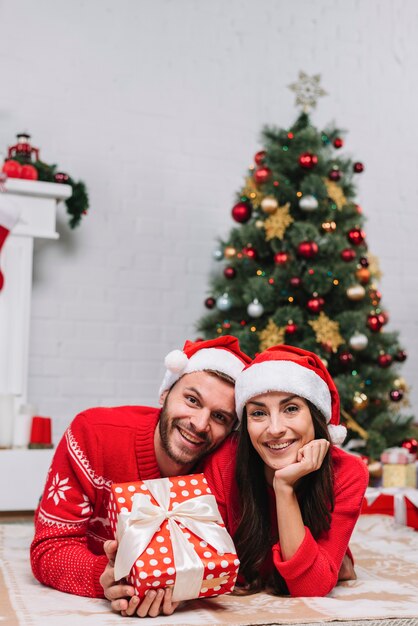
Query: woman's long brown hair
pixel 253 538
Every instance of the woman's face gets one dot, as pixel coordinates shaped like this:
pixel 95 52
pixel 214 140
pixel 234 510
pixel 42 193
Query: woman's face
pixel 279 424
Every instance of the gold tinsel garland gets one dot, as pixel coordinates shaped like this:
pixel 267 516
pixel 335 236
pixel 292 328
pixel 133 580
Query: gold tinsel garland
pixel 277 223
pixel 327 331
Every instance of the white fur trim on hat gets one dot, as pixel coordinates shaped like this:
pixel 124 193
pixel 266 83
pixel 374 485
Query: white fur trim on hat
pixel 337 433
pixel 175 361
pixel 217 359
pixel 282 376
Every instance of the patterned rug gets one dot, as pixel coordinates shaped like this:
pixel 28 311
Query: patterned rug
pixel 385 593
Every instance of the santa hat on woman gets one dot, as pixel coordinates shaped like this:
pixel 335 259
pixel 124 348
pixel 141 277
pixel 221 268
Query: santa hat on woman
pixel 297 371
pixel 222 354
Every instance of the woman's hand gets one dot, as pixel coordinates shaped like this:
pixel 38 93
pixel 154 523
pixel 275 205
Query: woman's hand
pixel 309 459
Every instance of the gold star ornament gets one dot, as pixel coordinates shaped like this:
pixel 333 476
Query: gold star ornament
pixel 308 91
pixel 272 335
pixel 327 331
pixel 252 192
pixel 277 223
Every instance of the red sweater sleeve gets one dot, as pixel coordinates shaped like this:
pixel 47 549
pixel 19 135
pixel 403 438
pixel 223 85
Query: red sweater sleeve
pixel 313 569
pixel 60 556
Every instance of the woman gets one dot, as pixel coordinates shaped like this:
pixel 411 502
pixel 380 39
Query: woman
pixel 291 498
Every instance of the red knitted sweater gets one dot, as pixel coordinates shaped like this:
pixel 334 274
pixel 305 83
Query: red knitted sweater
pixel 101 446
pixel 313 569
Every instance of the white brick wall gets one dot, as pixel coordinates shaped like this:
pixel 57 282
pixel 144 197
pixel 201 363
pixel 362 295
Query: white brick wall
pixel 158 105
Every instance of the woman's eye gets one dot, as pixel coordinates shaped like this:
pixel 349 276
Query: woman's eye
pixel 257 413
pixel 292 408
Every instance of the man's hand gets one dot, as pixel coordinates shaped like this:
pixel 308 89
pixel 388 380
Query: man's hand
pixel 122 596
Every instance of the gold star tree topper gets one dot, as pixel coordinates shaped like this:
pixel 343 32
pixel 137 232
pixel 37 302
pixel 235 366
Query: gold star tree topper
pixel 327 331
pixel 307 90
pixel 277 223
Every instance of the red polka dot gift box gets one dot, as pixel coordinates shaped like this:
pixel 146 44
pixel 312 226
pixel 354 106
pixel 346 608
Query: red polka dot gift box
pixel 171 534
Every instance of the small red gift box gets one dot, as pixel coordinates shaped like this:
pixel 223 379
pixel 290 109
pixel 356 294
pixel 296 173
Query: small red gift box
pixel 170 534
pixel 400 503
pixel 397 456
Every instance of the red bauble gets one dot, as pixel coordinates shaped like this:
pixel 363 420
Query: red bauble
pixel 291 328
pixel 338 142
pixel 384 360
pixel 230 272
pixel 259 157
pixel 356 236
pixel 29 172
pixel 12 168
pixel 411 445
pixel 241 212
pixel 61 177
pixel 243 322
pixel 250 252
pixel 280 258
pixel 334 175
pixel 345 358
pixel 210 303
pixel 358 167
pixel 308 249
pixel 262 175
pixel 315 305
pixel 396 395
pixel 364 261
pixel 384 317
pixel 295 282
pixel 401 356
pixel 307 160
pixel 374 323
pixel 348 254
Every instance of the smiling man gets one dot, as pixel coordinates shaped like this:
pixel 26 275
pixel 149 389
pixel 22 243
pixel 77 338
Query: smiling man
pixel 122 444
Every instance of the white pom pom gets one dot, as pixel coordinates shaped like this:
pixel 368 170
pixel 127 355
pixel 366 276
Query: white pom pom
pixel 176 361
pixel 337 433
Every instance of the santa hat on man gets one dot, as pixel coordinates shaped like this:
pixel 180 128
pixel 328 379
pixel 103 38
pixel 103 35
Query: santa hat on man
pixel 296 371
pixel 222 354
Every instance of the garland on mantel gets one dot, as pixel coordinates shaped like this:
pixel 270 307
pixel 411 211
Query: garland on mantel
pixel 78 203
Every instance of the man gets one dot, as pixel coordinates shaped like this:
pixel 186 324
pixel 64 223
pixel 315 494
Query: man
pixel 106 445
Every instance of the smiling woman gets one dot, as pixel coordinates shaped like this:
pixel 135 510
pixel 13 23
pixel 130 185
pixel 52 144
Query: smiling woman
pixel 292 498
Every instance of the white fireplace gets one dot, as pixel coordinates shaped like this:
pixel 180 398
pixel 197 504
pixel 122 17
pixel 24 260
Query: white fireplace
pixel 22 471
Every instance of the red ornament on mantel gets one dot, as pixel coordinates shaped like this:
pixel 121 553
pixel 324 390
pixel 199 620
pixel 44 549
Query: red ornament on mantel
pixel 12 168
pixel 61 177
pixel 29 172
pixel 308 249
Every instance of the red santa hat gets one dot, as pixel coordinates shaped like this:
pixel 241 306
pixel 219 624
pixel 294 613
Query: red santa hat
pixel 297 371
pixel 222 354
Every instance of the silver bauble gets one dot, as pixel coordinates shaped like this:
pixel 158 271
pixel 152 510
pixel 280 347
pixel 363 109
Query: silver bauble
pixel 358 341
pixel 223 303
pixel 255 308
pixel 308 203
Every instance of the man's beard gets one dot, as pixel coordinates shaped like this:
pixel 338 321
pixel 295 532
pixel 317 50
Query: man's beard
pixel 166 427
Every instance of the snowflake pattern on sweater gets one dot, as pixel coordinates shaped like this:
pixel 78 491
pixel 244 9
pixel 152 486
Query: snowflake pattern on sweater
pixel 101 446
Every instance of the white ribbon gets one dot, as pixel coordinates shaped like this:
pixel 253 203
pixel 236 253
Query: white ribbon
pixel 136 528
pixel 399 499
pixel 395 456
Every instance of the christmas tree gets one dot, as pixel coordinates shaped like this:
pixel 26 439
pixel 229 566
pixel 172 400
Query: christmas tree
pixel 297 270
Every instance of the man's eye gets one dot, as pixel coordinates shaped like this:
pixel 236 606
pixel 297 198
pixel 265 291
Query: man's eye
pixel 220 417
pixel 191 399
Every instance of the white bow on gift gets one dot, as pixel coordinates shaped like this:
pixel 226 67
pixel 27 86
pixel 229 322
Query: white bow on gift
pixel 136 528
pixel 399 499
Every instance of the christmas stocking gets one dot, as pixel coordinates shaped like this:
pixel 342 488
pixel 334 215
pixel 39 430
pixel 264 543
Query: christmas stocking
pixel 9 216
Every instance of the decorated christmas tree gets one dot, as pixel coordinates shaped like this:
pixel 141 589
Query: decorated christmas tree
pixel 297 270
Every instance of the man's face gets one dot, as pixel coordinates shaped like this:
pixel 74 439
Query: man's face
pixel 198 413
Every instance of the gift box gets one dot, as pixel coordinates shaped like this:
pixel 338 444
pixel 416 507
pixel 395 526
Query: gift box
pixel 398 456
pixel 171 534
pixel 397 475
pixel 402 504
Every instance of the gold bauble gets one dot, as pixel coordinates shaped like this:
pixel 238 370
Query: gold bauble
pixel 363 275
pixel 229 252
pixel 259 224
pixel 400 383
pixel 356 292
pixel 360 401
pixel 269 204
